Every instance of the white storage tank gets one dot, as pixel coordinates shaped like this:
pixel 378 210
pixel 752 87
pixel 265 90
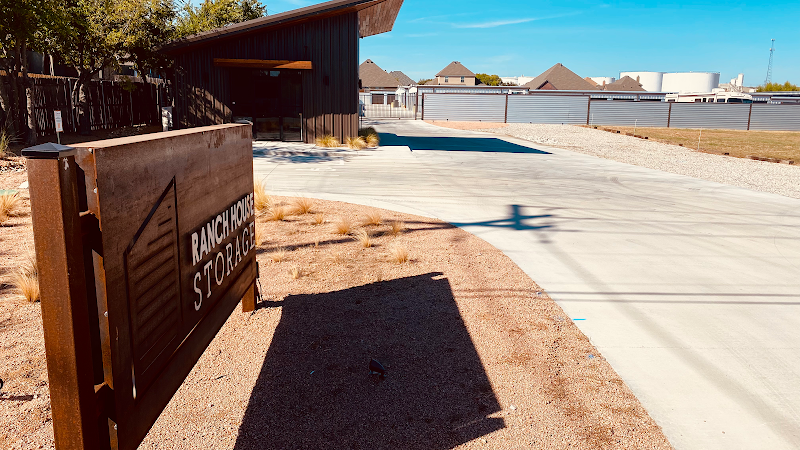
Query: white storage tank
pixel 684 82
pixel 601 80
pixel 650 81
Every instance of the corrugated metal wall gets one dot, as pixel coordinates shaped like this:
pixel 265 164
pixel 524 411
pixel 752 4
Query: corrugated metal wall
pixel 330 89
pixel 775 117
pixel 548 109
pixel 578 110
pixel 465 107
pixel 643 114
pixel 709 115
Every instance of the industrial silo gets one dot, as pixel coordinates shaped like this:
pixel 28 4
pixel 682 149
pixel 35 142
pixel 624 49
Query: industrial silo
pixel 650 81
pixel 690 82
pixel 603 80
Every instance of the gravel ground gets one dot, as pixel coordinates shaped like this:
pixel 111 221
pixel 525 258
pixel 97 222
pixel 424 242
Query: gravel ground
pixel 762 176
pixel 477 355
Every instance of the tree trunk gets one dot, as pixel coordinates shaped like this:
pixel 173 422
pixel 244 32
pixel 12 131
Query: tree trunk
pixel 80 98
pixel 33 127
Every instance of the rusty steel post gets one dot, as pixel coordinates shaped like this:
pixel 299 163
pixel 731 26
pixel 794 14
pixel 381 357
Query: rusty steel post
pixel 52 175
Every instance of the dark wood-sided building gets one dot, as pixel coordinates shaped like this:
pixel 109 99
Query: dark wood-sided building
pixel 293 74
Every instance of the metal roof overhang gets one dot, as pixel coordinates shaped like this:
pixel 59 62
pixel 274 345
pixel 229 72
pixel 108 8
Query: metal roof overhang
pixel 374 17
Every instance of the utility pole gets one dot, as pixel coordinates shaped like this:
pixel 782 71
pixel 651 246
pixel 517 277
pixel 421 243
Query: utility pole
pixel 769 68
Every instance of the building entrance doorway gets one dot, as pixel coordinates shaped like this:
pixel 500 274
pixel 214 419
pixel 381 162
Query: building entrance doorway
pixel 271 99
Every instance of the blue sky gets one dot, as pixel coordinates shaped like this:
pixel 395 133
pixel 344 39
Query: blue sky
pixel 517 37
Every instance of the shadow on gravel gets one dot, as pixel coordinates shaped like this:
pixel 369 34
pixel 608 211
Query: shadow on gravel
pixel 315 390
pixel 457 144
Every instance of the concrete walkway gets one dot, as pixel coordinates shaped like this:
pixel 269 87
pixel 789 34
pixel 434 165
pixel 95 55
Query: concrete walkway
pixel 691 289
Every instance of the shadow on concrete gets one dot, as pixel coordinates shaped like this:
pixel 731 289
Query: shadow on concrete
pixel 315 390
pixel 457 144
pixel 515 220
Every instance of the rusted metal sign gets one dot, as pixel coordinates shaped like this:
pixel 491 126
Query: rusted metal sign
pixel 145 246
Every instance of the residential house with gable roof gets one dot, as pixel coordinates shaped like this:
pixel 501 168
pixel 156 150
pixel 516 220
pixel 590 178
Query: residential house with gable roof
pixel 559 78
pixel 455 74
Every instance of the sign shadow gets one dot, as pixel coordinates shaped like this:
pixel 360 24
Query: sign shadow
pixel 315 389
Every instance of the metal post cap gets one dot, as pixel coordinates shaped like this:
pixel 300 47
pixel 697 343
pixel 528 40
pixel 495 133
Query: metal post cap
pixel 48 150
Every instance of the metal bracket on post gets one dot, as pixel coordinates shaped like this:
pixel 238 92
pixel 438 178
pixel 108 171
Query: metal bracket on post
pixel 66 319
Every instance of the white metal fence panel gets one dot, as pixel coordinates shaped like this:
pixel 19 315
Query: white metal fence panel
pixel 565 109
pixel 465 107
pixel 710 115
pixel 775 117
pixel 628 114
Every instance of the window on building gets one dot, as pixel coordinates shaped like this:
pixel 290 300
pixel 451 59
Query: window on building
pixel 462 79
pixel 446 79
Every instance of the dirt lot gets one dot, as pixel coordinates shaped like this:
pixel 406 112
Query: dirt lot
pixel 477 355
pixel 783 145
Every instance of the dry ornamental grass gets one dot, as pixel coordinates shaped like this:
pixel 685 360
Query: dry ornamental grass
pixel 276 213
pixel 302 205
pixel 261 200
pixel 277 255
pixel 342 226
pixel 319 218
pixel 26 278
pixel 9 204
pixel 397 227
pixel 398 254
pixel 327 141
pixel 356 143
pixel 362 236
pixel 373 218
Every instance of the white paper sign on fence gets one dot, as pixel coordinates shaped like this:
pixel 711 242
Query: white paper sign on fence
pixel 59 122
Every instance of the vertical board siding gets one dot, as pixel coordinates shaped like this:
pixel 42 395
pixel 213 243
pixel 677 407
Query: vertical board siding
pixel 465 107
pixel 643 114
pixel 775 117
pixel 709 115
pixel 547 109
pixel 331 44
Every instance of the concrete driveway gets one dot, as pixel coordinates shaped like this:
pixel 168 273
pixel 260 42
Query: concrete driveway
pixel 691 289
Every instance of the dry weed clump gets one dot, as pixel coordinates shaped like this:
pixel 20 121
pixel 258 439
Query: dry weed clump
pixel 277 255
pixel 303 205
pixel 296 272
pixel 397 227
pixel 356 143
pixel 276 213
pixel 343 226
pixel 26 279
pixel 8 206
pixel 363 237
pixel 336 258
pixel 328 141
pixel 319 218
pixel 262 200
pixel 398 254
pixel 373 218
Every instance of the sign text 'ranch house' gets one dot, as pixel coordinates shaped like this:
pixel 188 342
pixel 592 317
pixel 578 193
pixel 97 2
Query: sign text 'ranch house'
pixel 219 245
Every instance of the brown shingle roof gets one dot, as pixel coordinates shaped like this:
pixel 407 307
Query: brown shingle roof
pixel 590 80
pixel 625 83
pixel 404 79
pixel 455 69
pixel 372 76
pixel 561 78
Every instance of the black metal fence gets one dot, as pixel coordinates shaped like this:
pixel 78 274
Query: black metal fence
pixel 112 104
